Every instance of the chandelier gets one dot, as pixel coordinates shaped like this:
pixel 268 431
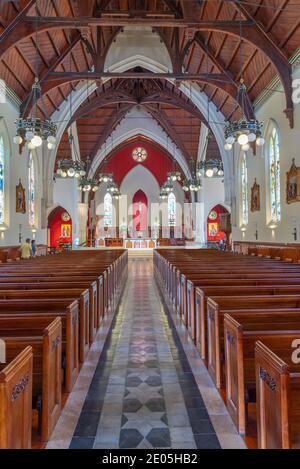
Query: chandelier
pixel 117 195
pixel 108 179
pixel 105 177
pixel 246 130
pixel 32 129
pixel 193 184
pixel 166 189
pixel 71 169
pixel 210 168
pixel 88 184
pixel 174 176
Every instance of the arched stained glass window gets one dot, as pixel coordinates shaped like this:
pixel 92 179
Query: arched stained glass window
pixel 31 190
pixel 171 209
pixel 244 191
pixel 2 182
pixel 274 175
pixel 108 210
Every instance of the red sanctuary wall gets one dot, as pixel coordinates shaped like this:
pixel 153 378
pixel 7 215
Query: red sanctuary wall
pixel 140 214
pixel 55 223
pixel 157 162
pixel 213 224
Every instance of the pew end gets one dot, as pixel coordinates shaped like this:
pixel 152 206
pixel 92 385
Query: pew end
pixel 15 401
pixel 278 405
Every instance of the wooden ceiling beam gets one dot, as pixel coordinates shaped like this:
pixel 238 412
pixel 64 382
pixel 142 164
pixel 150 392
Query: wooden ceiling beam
pixel 56 62
pixel 172 7
pixel 218 80
pixel 170 130
pixel 109 128
pixel 105 99
pixel 52 22
pixel 275 53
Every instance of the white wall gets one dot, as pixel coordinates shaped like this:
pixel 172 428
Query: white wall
pixel 138 178
pixel 272 108
pixel 16 167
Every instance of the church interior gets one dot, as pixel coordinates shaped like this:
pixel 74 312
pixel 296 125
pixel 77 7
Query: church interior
pixel 149 224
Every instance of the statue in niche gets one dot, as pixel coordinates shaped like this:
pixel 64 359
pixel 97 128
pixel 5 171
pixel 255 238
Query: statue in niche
pixel 293 184
pixel 20 198
pixel 255 197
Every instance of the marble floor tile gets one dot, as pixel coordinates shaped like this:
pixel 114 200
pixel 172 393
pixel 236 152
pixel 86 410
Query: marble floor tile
pixel 143 384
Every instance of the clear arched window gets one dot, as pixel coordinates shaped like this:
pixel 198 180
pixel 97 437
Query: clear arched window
pixel 31 190
pixel 244 191
pixel 274 175
pixel 108 210
pixel 171 209
pixel 2 181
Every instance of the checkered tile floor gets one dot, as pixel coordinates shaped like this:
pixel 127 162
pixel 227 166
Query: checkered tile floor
pixel 143 393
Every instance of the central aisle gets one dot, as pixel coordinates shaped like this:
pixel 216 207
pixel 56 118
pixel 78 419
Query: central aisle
pixel 137 388
pixel 143 394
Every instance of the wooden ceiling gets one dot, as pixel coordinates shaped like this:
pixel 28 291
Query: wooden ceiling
pixel 203 39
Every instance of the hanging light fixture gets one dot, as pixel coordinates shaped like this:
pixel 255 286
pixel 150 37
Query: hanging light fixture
pixel 193 184
pixel 71 169
pixel 244 131
pixel 174 176
pixel 117 195
pixel 167 188
pixel 87 184
pixel 210 168
pixel 105 177
pixel 32 129
pixel 68 168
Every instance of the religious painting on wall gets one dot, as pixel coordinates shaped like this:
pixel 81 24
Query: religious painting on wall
pixel 255 197
pixel 20 198
pixel 65 231
pixel 293 184
pixel 213 229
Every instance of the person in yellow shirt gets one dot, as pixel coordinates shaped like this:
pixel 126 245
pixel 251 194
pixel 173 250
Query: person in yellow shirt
pixel 26 250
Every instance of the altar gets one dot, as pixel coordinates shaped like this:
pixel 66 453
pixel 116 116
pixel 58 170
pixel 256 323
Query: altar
pixel 140 243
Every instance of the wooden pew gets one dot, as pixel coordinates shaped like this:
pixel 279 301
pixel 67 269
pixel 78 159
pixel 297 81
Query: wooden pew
pixel 241 331
pixel 95 299
pixel 218 306
pixel 278 391
pixel 15 401
pixel 197 304
pixel 36 290
pixel 85 315
pixel 199 277
pixel 45 340
pixel 51 309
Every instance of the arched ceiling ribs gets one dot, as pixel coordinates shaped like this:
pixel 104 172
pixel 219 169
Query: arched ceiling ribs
pixel 161 96
pixel 230 89
pixel 165 124
pixel 108 97
pixel 219 80
pixel 109 128
pixel 188 16
pixel 167 97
